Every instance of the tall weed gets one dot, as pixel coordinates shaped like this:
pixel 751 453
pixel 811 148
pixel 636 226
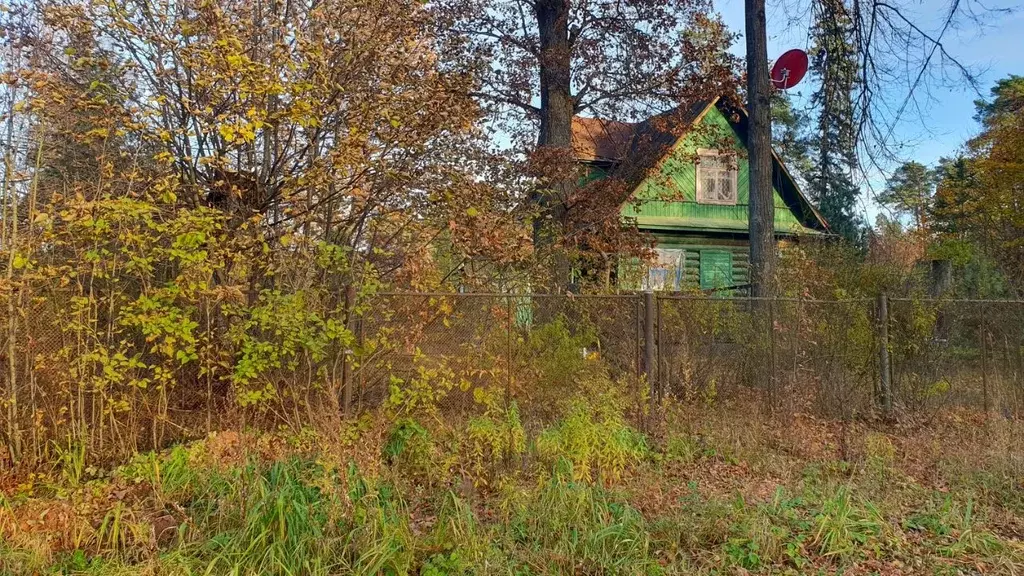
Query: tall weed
pixel 573 527
pixel 595 440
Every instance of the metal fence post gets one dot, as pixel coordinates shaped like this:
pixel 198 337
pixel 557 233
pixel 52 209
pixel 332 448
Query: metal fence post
pixel 885 376
pixel 984 358
pixel 346 362
pixel 509 326
pixel 508 350
pixel 649 352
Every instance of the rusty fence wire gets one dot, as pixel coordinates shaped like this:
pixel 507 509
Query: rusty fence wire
pixel 466 350
pixel 958 352
pixel 69 373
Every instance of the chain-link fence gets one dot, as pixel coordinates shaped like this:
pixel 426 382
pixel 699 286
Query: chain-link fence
pixel 463 352
pixel 69 370
pixel 822 356
pixel 961 352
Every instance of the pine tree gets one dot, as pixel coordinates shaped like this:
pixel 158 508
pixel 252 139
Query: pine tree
pixel 833 143
pixel 908 192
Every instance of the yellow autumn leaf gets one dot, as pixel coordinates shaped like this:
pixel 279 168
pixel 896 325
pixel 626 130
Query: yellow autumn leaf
pixel 227 132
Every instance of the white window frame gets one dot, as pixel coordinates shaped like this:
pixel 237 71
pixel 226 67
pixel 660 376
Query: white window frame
pixel 732 172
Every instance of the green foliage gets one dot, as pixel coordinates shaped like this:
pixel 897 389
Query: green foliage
pixel 976 275
pixel 955 527
pixel 771 533
pixel 974 198
pixel 134 298
pixel 282 526
pixel 118 532
pixel 282 332
pixel 1006 98
pixel 173 474
pixel 909 192
pixel 556 352
pixel 409 447
pixel 255 512
pixel 568 526
pixel 494 437
pixel 71 461
pixel 845 527
pixel 422 393
pixel 380 540
pixel 595 439
pixel 684 448
pixel 462 545
pixel 444 564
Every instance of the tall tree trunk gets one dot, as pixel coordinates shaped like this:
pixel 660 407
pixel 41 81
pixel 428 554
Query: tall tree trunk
pixel 554 143
pixel 556 104
pixel 762 210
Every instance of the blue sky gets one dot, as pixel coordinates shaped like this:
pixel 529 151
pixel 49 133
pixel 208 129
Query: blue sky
pixel 997 49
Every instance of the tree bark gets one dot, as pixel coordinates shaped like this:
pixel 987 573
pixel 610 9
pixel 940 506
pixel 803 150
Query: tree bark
pixel 762 210
pixel 556 102
pixel 555 140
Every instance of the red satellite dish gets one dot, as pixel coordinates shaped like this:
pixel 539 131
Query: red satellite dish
pixel 789 69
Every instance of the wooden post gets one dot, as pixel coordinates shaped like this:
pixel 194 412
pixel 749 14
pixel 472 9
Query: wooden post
pixel 657 359
pixel 883 353
pixel 649 352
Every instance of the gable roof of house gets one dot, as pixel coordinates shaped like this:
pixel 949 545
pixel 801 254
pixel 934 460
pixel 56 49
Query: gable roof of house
pixel 599 140
pixel 636 149
pixel 596 140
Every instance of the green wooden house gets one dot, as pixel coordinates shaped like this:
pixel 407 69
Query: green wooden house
pixel 687 173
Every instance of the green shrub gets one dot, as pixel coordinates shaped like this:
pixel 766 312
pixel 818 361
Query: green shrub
pixel 770 533
pixel 409 448
pixel 283 529
pixel 595 440
pixel 379 540
pixel 496 436
pixel 845 528
pixel 575 528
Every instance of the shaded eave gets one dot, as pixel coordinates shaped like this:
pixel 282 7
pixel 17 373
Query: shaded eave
pixel 715 226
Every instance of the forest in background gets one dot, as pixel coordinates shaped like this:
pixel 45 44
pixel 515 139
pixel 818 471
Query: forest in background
pixel 208 207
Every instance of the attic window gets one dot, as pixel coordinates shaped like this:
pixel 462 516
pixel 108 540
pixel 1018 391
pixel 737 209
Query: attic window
pixel 716 177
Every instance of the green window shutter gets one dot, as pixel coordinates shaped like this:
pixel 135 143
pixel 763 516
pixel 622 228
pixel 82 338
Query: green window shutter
pixel 524 311
pixel 715 269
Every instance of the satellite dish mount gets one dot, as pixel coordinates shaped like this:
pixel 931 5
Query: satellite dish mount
pixel 789 69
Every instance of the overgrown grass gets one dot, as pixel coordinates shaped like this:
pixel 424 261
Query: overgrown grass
pixel 716 493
